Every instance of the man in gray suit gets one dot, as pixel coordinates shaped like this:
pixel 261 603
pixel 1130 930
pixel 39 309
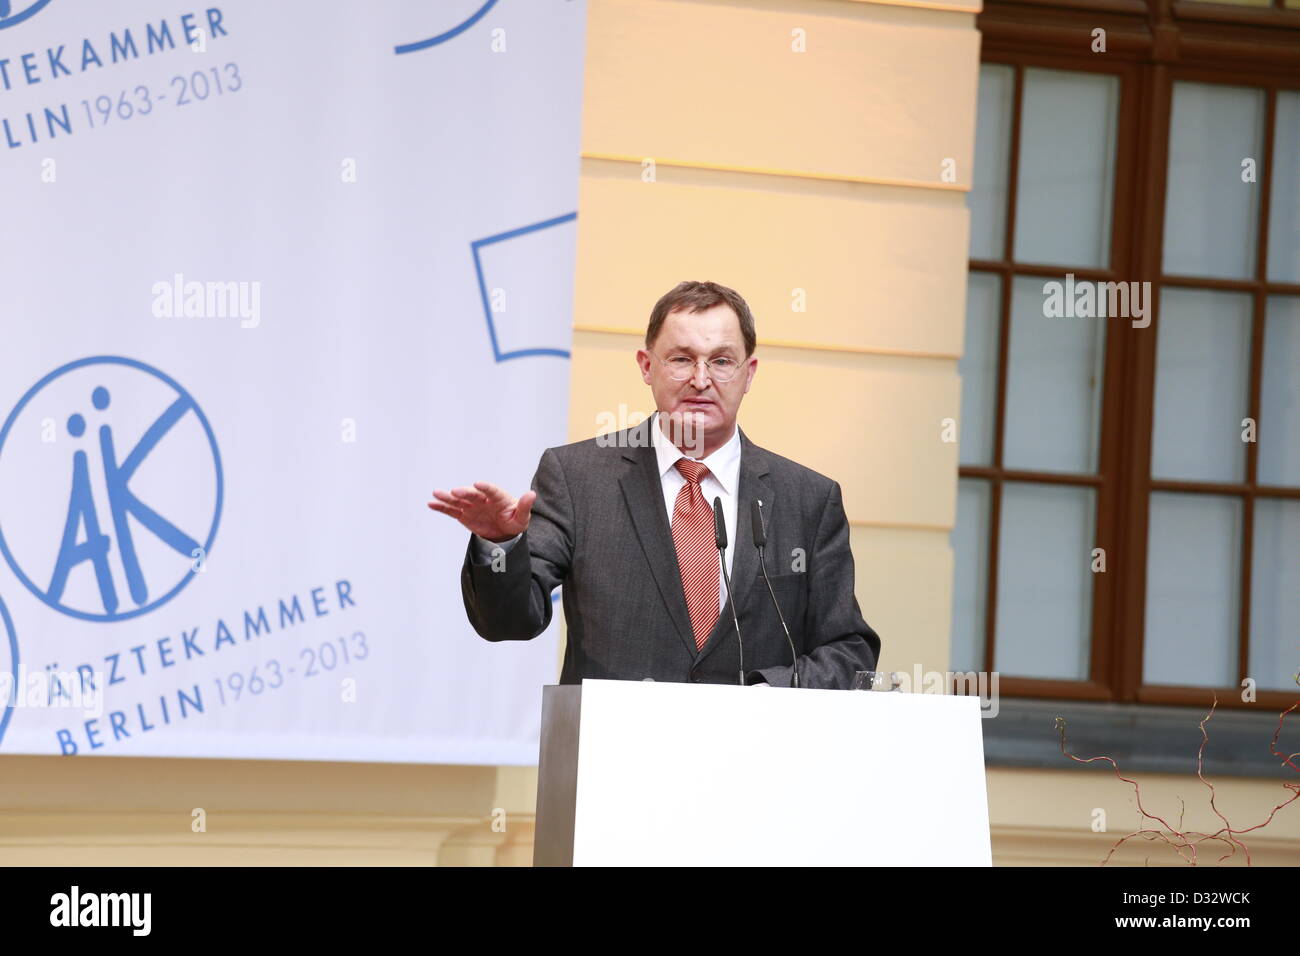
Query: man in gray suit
pixel 624 521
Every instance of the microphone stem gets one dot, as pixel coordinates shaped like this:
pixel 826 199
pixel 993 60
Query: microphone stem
pixel 794 658
pixel 722 557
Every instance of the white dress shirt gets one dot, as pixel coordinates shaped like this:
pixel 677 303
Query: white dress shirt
pixel 722 481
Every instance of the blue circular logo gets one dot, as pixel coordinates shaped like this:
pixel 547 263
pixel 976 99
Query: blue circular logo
pixel 9 16
pixel 110 489
pixel 10 648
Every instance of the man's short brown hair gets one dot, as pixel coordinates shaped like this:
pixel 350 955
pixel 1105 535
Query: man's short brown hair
pixel 693 297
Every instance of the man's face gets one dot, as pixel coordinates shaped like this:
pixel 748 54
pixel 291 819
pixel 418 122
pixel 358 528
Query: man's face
pixel 699 404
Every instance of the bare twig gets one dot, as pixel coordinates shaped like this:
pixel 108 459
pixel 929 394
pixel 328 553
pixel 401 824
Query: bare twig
pixel 1174 836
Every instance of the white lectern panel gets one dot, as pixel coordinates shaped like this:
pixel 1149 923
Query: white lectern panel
pixel 693 774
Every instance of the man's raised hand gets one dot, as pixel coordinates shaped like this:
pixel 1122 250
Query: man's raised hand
pixel 486 510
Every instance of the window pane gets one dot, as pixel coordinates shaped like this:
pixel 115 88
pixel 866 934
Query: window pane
pixel 1054 381
pixel 1209 212
pixel 978 369
pixel 1279 416
pixel 970 546
pixel 987 199
pixel 1284 207
pixel 1044 619
pixel 1067 168
pixel 1193 576
pixel 1202 372
pixel 1275 595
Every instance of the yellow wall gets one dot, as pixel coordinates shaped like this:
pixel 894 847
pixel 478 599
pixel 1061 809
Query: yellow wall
pixel 712 149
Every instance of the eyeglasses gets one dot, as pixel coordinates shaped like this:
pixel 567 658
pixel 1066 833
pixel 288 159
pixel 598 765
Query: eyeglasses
pixel 681 367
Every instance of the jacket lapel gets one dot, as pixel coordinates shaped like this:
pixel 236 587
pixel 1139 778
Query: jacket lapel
pixel 644 493
pixel 744 560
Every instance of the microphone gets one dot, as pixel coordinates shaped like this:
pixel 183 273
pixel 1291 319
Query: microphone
pixel 720 539
pixel 760 542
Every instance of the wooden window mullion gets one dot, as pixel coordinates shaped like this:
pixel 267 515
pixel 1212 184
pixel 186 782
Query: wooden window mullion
pixel 1258 319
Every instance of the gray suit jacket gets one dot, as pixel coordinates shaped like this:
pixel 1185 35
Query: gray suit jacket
pixel 600 528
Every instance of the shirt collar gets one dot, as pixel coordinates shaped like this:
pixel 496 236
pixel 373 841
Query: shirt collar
pixel 723 464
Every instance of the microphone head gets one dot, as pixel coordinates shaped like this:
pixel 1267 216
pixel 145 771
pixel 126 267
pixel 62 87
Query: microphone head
pixel 719 525
pixel 756 519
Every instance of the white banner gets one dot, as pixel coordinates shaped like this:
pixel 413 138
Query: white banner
pixel 269 273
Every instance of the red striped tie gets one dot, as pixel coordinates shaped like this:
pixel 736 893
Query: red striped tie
pixel 697 551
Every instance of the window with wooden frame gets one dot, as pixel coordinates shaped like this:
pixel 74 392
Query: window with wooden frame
pixel 1129 501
